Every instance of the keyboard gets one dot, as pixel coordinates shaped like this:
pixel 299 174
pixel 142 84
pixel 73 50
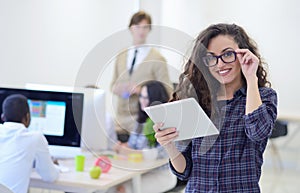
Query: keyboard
pixel 64 152
pixel 62 169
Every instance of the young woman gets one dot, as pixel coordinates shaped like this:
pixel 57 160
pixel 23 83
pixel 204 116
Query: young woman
pixel 230 84
pixel 152 93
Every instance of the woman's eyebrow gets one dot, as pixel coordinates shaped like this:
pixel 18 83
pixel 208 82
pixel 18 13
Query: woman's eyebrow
pixel 228 48
pixel 225 49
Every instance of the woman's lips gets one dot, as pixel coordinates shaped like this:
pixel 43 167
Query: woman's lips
pixel 224 72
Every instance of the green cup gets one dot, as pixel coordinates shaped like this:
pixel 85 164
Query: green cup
pixel 79 163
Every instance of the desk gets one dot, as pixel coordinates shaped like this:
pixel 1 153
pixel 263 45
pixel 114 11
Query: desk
pixel 288 117
pixel 80 182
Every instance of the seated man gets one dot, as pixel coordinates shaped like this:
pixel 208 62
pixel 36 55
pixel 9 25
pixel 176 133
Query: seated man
pixel 21 149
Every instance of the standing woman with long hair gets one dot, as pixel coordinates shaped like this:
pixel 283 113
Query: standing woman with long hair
pixel 225 73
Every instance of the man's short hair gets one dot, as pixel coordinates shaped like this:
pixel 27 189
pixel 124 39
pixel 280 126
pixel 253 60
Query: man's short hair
pixel 14 108
pixel 138 17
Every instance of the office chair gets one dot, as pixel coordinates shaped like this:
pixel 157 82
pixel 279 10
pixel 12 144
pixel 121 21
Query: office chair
pixel 280 129
pixel 4 189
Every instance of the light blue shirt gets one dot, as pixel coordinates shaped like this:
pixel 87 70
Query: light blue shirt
pixel 137 139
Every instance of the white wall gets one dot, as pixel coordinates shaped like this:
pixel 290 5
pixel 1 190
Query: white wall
pixel 46 41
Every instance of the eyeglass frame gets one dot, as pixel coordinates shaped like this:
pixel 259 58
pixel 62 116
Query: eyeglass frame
pixel 220 56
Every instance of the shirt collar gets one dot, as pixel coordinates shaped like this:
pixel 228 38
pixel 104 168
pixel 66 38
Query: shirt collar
pixel 14 125
pixel 140 49
pixel 11 128
pixel 239 92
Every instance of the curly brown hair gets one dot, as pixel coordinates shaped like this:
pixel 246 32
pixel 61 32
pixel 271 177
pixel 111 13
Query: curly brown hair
pixel 196 80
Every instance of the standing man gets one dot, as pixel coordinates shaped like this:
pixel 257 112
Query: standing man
pixel 134 66
pixel 21 149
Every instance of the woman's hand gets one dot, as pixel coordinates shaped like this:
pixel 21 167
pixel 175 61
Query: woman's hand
pixel 119 146
pixel 249 63
pixel 165 136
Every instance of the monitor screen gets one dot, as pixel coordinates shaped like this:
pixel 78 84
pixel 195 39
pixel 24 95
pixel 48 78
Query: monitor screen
pixel 58 115
pixel 47 117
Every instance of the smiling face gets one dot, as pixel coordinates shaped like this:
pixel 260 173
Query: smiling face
pixel 226 73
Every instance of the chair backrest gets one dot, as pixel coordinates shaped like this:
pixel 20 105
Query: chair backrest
pixel 280 129
pixel 4 189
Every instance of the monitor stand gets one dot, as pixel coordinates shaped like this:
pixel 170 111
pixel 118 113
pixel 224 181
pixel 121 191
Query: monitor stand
pixel 64 152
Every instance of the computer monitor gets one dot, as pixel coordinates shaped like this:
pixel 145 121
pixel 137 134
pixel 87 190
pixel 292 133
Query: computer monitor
pixel 57 114
pixel 94 134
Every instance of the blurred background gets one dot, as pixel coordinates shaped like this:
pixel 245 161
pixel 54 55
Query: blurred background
pixel 47 41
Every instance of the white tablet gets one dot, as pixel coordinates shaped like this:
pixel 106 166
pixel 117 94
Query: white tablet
pixel 186 116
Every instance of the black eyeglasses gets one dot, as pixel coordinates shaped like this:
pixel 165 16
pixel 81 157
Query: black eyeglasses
pixel 226 57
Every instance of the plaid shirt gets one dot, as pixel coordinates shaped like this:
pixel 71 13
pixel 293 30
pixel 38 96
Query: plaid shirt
pixel 231 162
